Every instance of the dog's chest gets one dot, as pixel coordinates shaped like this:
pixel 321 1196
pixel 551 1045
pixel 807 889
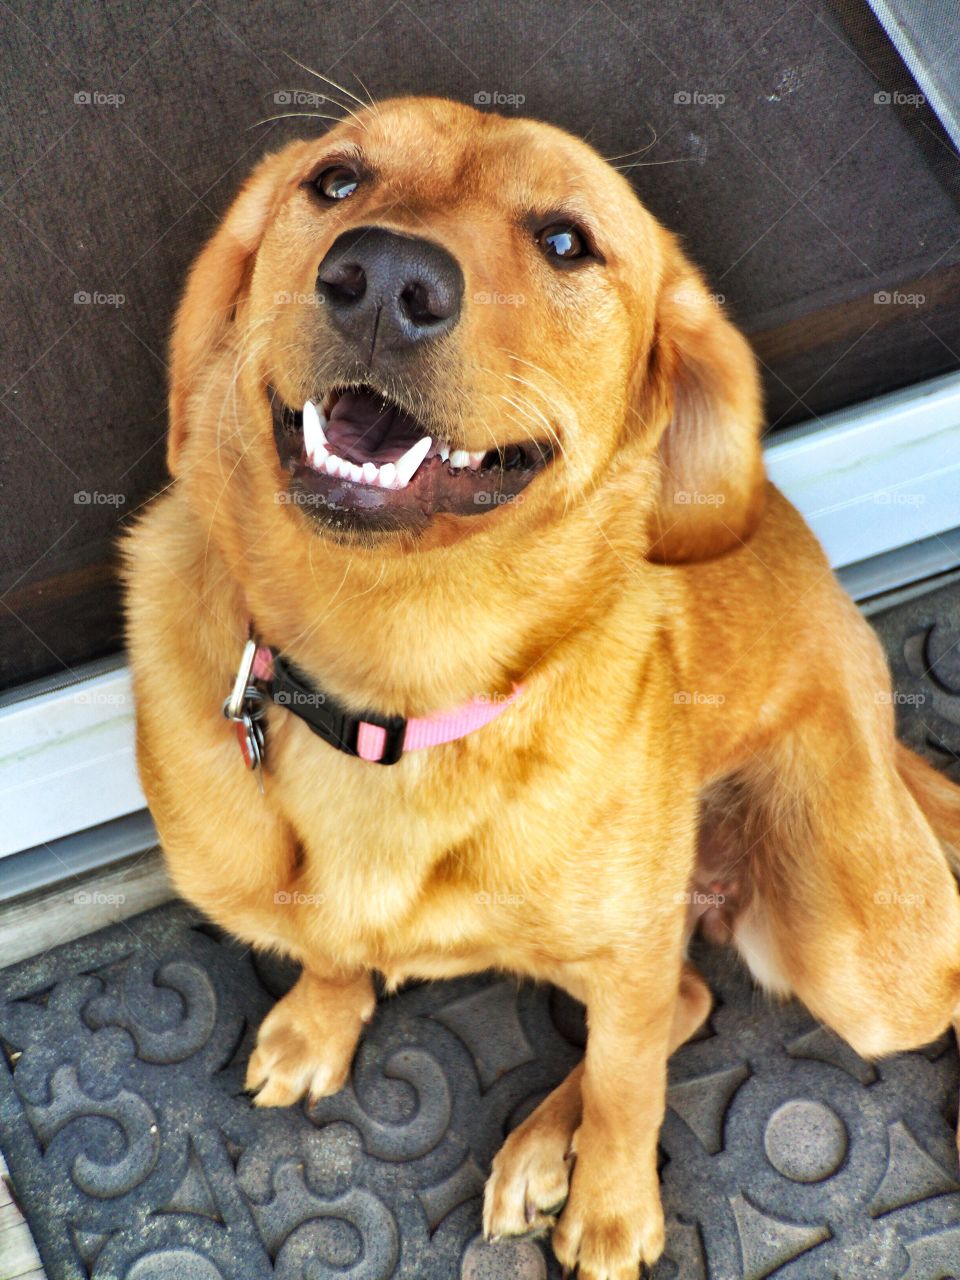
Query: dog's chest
pixel 381 912
pixel 394 877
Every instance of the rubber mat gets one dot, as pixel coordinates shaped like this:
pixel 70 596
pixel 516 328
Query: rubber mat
pixel 136 1155
pixel 922 640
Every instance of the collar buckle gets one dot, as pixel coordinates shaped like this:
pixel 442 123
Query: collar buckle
pixel 394 728
pixel 327 718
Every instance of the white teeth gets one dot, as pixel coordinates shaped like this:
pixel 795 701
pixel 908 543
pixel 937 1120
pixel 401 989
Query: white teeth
pixel 390 476
pixel 314 439
pixel 407 465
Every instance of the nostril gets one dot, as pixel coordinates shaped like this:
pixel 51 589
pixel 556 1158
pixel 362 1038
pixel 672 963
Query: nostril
pixel 416 302
pixel 346 282
pixel 425 306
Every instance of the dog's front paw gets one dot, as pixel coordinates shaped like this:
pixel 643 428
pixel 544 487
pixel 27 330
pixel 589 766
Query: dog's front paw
pixel 293 1057
pixel 529 1181
pixel 306 1044
pixel 608 1230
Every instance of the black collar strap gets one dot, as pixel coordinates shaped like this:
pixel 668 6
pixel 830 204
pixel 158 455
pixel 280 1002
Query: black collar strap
pixel 379 739
pixel 328 718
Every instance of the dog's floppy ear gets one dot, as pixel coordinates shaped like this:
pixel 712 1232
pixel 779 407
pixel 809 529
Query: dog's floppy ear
pixel 703 379
pixel 216 281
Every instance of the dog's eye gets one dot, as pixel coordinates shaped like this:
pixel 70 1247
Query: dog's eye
pixel 562 241
pixel 337 183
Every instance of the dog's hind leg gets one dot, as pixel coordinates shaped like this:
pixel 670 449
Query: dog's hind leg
pixel 854 906
pixel 937 796
pixel 939 799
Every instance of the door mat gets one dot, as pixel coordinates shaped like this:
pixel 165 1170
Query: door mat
pixel 136 1155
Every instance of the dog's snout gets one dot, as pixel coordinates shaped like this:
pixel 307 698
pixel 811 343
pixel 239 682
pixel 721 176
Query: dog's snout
pixel 390 289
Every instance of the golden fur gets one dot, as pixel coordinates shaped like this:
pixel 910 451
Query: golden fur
pixel 695 680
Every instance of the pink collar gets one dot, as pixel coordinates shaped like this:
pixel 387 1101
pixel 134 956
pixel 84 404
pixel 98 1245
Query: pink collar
pixel 379 739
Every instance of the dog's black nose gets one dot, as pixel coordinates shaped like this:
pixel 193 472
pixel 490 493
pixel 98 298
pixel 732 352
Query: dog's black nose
pixel 388 290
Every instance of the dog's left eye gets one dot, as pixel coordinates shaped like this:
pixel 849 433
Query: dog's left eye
pixel 563 241
pixel 337 183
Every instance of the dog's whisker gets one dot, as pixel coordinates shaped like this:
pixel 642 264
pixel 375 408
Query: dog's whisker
pixel 539 391
pixel 539 412
pixel 327 97
pixel 216 506
pixel 370 99
pixel 495 444
pixel 246 351
pixel 646 164
pixel 536 368
pixel 637 151
pixel 307 632
pixel 533 415
pixel 530 365
pixel 329 80
pixel 295 115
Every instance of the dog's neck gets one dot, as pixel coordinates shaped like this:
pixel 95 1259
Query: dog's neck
pixel 418 633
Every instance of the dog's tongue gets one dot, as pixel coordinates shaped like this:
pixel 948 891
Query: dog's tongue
pixel 364 428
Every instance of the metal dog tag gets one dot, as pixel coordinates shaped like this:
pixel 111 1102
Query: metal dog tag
pixel 233 707
pixel 250 737
pixel 244 707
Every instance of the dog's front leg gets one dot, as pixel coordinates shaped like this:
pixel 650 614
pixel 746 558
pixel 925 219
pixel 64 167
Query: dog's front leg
pixel 529 1181
pixel 307 1041
pixel 613 1220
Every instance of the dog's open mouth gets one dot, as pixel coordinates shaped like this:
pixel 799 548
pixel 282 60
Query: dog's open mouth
pixel 359 461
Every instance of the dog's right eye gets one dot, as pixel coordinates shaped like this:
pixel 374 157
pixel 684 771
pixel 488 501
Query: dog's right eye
pixel 337 183
pixel 563 243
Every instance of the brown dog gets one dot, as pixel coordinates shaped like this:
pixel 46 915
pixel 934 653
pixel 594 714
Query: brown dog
pixel 700 706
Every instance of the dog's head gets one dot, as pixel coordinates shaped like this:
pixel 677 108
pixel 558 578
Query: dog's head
pixel 433 321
